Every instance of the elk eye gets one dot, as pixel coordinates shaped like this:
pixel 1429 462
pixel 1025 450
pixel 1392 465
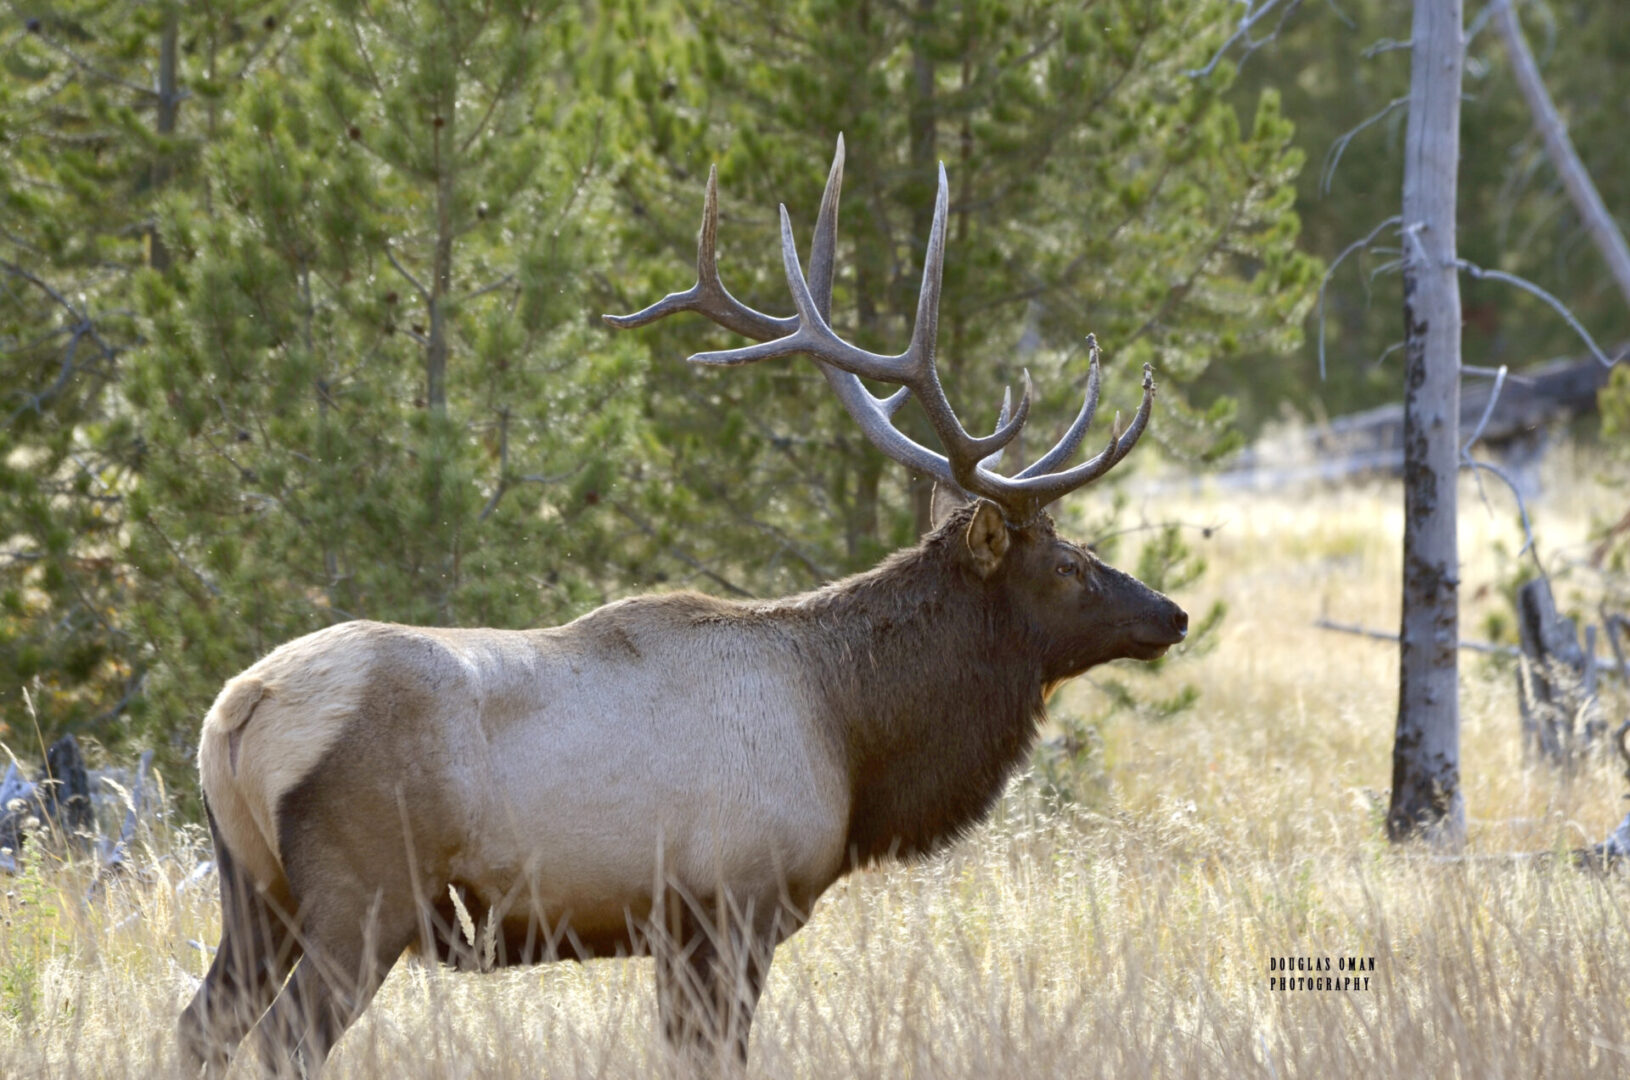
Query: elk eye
pixel 1066 569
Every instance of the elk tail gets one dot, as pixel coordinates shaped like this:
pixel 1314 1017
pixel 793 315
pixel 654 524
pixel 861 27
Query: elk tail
pixel 232 786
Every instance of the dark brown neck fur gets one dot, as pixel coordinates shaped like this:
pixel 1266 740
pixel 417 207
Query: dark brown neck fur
pixel 932 689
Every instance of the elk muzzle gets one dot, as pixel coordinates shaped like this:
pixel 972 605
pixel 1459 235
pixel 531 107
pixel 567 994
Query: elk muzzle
pixel 1166 626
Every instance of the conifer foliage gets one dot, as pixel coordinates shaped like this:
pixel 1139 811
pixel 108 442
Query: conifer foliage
pixel 299 303
pixel 376 393
pixel 104 107
pixel 1095 187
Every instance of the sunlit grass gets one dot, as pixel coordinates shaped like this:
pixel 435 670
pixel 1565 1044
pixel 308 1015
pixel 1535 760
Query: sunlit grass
pixel 1128 933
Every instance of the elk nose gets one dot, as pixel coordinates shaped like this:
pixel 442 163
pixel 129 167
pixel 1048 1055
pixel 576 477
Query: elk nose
pixel 1180 623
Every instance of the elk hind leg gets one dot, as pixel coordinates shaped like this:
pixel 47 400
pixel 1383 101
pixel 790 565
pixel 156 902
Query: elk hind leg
pixel 257 949
pixel 338 976
pixel 352 932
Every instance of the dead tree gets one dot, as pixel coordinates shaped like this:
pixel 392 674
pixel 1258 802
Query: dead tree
pixel 1582 192
pixel 1426 797
pixel 56 803
pixel 1556 680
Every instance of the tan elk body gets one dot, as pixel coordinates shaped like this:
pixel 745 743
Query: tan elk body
pixel 676 774
pixel 543 766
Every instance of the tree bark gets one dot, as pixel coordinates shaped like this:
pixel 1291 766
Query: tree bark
pixel 923 125
pixel 437 345
pixel 1559 148
pixel 1556 680
pixel 441 270
pixel 169 103
pixel 1426 797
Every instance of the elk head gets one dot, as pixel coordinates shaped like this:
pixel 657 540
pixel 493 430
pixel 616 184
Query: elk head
pixel 1081 611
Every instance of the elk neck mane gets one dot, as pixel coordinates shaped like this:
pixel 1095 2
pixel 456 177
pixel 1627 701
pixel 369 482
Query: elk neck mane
pixel 932 687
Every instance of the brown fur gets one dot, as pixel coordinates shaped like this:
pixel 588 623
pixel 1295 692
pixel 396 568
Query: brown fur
pixel 935 673
pixel 922 681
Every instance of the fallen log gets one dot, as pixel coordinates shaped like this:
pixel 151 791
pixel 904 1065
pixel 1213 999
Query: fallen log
pixel 1552 393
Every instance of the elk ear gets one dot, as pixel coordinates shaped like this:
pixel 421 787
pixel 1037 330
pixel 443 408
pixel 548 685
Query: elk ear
pixel 945 501
pixel 987 538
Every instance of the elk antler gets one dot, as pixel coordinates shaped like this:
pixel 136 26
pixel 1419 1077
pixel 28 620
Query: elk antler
pixel 969 462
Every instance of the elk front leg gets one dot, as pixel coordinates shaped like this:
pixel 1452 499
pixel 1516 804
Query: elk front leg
pixel 710 970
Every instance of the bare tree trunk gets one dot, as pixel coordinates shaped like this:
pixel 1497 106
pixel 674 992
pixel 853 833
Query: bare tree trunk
pixel 445 145
pixel 169 103
pixel 923 122
pixel 1426 797
pixel 1556 680
pixel 924 131
pixel 441 270
pixel 1559 148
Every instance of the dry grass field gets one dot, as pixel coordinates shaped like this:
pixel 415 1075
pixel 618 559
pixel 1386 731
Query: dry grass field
pixel 1127 934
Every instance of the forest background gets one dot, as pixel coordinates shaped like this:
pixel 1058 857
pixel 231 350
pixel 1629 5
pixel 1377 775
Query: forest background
pixel 299 302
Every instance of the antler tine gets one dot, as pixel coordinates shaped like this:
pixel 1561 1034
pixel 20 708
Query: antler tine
pixel 1065 448
pixel 708 296
pixel 914 368
pixel 814 335
pixel 994 461
pixel 962 450
pixel 891 404
pixel 1007 426
pixel 872 413
pixel 926 328
pixel 822 269
pixel 823 251
pixel 1038 491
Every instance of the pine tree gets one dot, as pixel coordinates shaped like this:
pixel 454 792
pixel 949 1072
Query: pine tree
pixel 1094 187
pixel 103 109
pixel 377 393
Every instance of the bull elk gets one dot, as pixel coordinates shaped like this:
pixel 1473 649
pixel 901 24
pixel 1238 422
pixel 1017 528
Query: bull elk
pixel 675 770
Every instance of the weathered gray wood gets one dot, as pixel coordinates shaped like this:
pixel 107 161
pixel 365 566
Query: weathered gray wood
pixel 1488 648
pixel 1589 659
pixel 115 851
pixel 1613 850
pixel 1587 201
pixel 14 786
pixel 1536 613
pixel 1532 399
pixel 1426 798
pixel 1370 443
pixel 55 806
pixel 1613 623
pixel 65 791
pixel 1556 680
pixel 16 804
pixel 1609 851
